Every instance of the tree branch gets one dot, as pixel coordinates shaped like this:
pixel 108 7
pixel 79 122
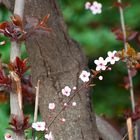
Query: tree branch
pixel 16 98
pixel 128 69
pixel 125 47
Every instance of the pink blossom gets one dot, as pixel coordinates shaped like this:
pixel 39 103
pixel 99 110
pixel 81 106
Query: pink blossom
pixel 39 126
pixel 112 58
pixel 74 88
pixel 109 68
pixel 101 64
pixel 74 103
pixel 8 136
pixel 49 136
pixel 87 5
pixel 100 77
pixel 84 76
pixel 62 119
pixel 51 106
pixel 66 91
pixel 96 8
pixel 65 104
pixel 46 129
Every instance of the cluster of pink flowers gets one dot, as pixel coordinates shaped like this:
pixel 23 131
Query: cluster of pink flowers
pixel 95 7
pixel 41 126
pixel 101 63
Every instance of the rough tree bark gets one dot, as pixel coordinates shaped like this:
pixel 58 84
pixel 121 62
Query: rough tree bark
pixel 66 69
pixel 56 60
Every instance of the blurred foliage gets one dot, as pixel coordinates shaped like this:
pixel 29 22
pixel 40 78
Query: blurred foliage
pixel 94 34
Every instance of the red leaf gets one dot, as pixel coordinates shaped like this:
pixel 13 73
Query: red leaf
pixel 3 97
pixel 4 80
pixel 14 29
pixel 16 124
pixel 16 19
pixel 122 5
pixel 19 66
pixel 43 25
pixel 3 25
pixel 135 116
pixel 132 35
pixel 45 19
pixel 119 34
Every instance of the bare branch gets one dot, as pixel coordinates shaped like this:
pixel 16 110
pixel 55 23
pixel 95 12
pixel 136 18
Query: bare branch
pixel 128 69
pixel 125 47
pixel 36 102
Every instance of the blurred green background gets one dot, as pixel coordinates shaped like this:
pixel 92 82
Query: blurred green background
pixel 94 34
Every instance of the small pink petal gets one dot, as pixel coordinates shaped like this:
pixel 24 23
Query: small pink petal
pixel 51 106
pixel 100 77
pixel 74 104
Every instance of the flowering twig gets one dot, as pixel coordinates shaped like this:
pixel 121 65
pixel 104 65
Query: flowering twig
pixel 68 102
pixel 71 98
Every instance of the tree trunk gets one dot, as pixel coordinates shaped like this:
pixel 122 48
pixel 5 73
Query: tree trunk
pixel 56 60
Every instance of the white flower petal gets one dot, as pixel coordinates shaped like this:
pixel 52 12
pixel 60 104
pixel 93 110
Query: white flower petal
pixel 74 104
pixel 117 58
pixel 39 126
pixel 99 11
pixel 51 106
pixel 87 5
pixel 98 68
pixel 103 67
pixel 96 62
pixel 84 76
pixel 101 59
pixel 100 77
pixel 109 53
pixel 108 59
pixel 112 61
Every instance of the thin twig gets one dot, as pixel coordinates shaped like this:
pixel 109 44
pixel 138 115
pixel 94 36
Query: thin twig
pixel 68 102
pixel 128 69
pixel 36 101
pixel 125 47
pixel 36 108
pixel 129 128
pixel 126 134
